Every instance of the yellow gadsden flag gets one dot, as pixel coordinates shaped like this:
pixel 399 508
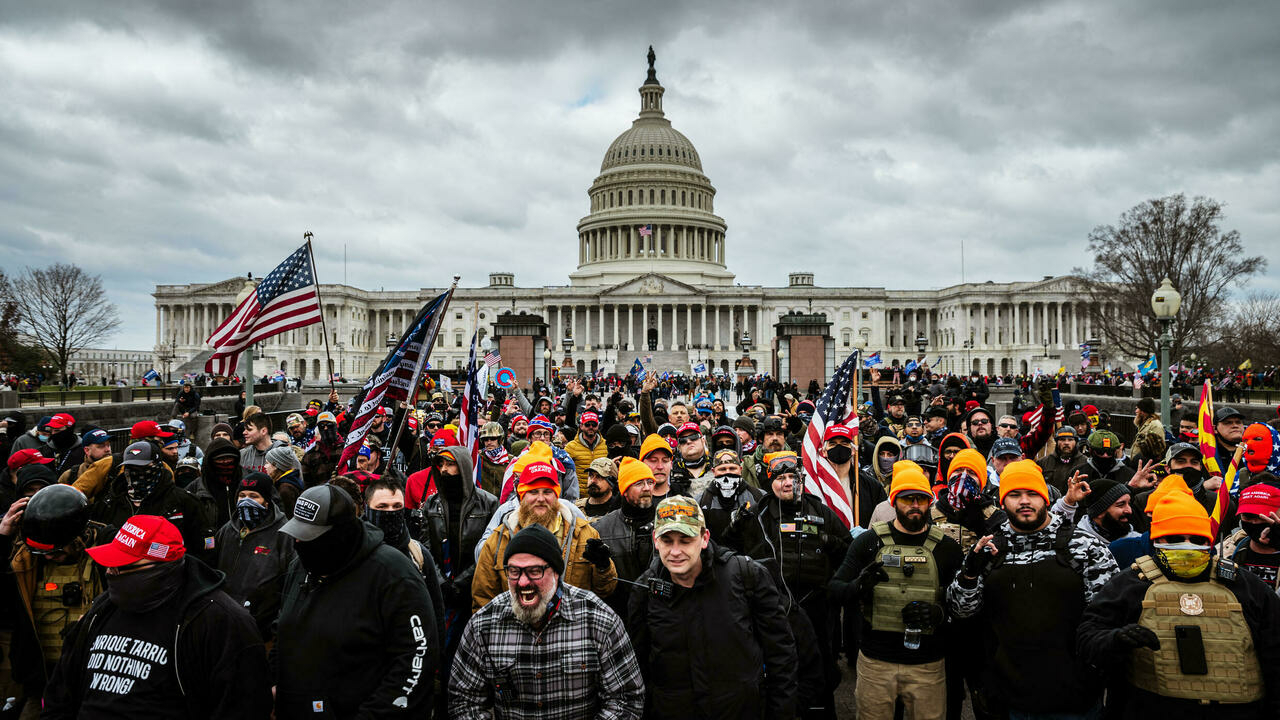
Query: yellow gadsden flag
pixel 1246 365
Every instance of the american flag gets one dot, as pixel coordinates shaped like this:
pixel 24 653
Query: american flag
pixel 646 230
pixel 473 405
pixel 286 299
pixel 836 406
pixel 493 360
pixel 394 377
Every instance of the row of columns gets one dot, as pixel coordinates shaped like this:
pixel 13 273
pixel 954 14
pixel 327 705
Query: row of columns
pixel 996 325
pixel 715 326
pixel 624 242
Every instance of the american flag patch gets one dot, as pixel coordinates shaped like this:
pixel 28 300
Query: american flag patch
pixel 208 543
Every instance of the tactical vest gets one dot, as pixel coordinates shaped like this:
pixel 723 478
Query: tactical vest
pixel 63 595
pixel 913 575
pixel 963 536
pixel 804 564
pixel 1234 674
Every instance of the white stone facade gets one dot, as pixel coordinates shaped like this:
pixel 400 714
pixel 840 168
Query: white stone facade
pixel 668 294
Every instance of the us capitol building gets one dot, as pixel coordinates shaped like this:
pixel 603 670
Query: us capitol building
pixel 653 282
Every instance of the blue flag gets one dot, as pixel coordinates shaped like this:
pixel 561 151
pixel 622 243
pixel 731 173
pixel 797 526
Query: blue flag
pixel 872 360
pixel 151 375
pixel 911 366
pixel 1149 366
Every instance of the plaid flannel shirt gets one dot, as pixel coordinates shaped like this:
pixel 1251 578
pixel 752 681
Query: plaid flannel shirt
pixel 580 666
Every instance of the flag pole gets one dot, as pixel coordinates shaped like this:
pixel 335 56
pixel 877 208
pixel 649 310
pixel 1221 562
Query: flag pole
pixel 857 403
pixel 324 330
pixel 422 361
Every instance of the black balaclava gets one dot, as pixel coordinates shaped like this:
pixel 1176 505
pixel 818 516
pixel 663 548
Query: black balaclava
pixel 450 486
pixel 331 551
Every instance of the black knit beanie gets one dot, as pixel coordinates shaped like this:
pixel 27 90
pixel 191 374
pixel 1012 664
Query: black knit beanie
pixel 1103 494
pixel 539 542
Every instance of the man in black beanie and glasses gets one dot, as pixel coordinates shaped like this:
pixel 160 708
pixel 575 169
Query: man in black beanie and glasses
pixel 544 648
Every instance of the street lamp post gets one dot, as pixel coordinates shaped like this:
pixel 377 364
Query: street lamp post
pixel 968 353
pixel 1165 302
pixel 546 366
pixel 782 355
pixel 922 342
pixel 342 359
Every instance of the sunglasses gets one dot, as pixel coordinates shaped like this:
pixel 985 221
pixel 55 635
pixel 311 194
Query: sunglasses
pixel 979 421
pixel 1008 426
pixel 690 439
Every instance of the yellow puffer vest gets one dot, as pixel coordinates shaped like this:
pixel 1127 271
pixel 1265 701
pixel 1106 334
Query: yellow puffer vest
pixel 1234 675
pixel 919 582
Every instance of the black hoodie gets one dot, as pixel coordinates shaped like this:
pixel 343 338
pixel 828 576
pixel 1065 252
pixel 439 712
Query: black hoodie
pixel 360 642
pixel 218 656
pixel 218 498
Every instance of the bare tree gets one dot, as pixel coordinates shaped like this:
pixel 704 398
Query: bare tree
pixel 63 310
pixel 1249 330
pixel 1164 237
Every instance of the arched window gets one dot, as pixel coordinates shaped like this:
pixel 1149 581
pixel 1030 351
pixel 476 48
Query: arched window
pixel 682 198
pixel 662 196
pixel 629 197
pixel 650 196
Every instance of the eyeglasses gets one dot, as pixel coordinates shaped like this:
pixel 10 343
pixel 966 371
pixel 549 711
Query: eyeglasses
pixel 433 426
pixel 979 421
pixel 1008 426
pixel 690 439
pixel 533 572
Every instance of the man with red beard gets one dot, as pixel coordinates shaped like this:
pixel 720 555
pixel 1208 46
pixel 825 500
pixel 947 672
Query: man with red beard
pixel 587 561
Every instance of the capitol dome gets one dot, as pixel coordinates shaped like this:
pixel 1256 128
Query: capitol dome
pixel 652 208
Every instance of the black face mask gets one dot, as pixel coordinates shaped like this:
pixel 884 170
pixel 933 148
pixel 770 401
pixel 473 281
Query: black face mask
pixel 614 452
pixel 1254 531
pixel 1193 476
pixel 140 482
pixel 143 591
pixel 329 434
pixel 394 529
pixel 839 454
pixel 251 513
pixel 331 551
pixel 63 440
pixel 1104 464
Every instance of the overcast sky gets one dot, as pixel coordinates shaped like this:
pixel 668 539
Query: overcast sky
pixel 172 142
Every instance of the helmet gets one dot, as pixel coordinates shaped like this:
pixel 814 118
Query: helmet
pixel 491 430
pixel 55 516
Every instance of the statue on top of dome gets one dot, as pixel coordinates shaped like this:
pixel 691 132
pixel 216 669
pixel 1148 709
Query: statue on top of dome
pixel 653 74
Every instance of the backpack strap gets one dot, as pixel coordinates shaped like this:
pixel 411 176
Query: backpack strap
pixel 1148 570
pixel 935 536
pixel 415 553
pixel 881 529
pixel 1062 546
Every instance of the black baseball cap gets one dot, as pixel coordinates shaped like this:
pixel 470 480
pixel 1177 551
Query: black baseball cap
pixel 317 510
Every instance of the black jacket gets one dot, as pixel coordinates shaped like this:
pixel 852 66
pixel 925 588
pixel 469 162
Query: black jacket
pixel 219 657
pixel 360 640
pixel 704 651
pixel 767 547
pixel 112 508
pixel 478 507
pixel 255 564
pixel 219 498
pixel 1119 603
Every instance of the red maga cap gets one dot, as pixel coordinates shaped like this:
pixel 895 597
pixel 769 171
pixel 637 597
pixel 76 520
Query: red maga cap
pixel 142 537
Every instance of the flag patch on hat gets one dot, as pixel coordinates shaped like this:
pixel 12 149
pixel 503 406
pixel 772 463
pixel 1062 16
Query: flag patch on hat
pixel 306 510
pixel 159 550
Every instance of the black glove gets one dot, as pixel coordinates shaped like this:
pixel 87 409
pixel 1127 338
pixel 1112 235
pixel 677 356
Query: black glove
pixel 597 553
pixel 452 592
pixel 1134 636
pixel 865 583
pixel 739 518
pixel 921 614
pixel 977 562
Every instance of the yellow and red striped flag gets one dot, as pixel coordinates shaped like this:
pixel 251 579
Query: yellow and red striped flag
pixel 1205 436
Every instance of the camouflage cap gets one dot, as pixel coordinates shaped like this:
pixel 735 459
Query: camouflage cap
pixel 603 467
pixel 678 513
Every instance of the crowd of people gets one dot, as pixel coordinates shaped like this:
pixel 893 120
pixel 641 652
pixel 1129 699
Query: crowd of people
pixel 623 548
